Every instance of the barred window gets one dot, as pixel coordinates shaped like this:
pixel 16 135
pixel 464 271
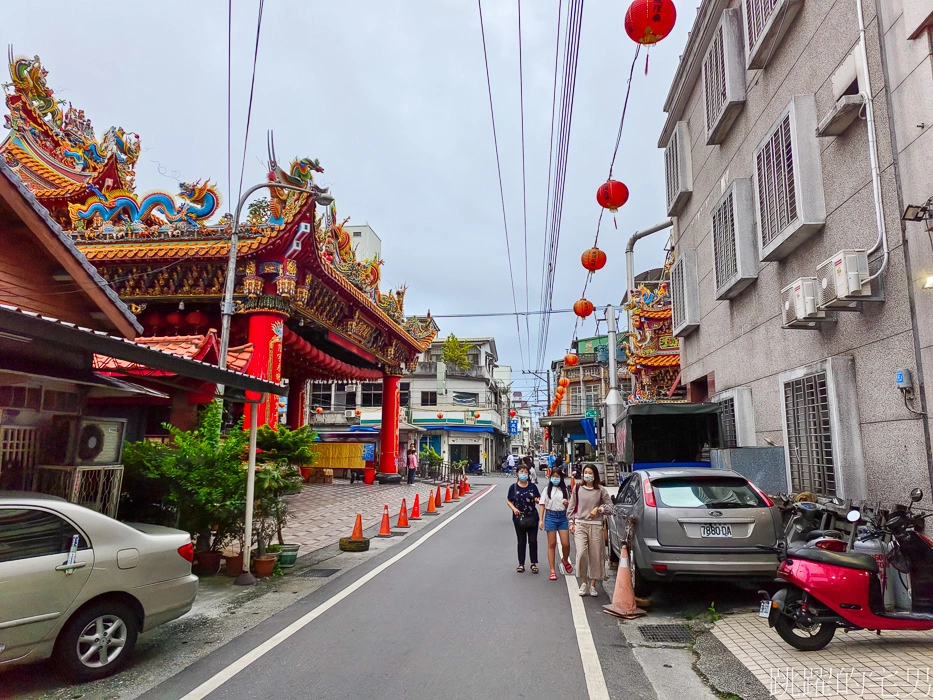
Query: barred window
pixel 677 295
pixel 714 78
pixel 729 437
pixel 809 441
pixel 672 169
pixel 726 264
pixel 757 13
pixel 777 199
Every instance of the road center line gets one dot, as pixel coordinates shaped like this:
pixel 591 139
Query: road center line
pixel 230 671
pixel 592 669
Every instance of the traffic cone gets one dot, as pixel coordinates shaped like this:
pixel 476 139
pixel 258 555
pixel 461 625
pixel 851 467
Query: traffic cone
pixel 438 499
pixel 465 487
pixel 623 598
pixel 432 509
pixel 456 495
pixel 355 542
pixel 386 529
pixel 447 495
pixel 416 508
pixel 403 516
pixel 358 528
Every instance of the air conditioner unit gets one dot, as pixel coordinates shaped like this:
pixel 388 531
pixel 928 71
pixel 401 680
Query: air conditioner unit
pixel 843 279
pixel 100 441
pixel 799 304
pixel 349 413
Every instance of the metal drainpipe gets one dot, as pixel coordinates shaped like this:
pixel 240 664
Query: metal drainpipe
pixel 630 260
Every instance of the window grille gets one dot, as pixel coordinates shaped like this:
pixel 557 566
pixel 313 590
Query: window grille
pixel 809 441
pixel 19 448
pixel 726 264
pixel 678 313
pixel 757 13
pixel 729 437
pixel 714 79
pixel 672 169
pixel 777 199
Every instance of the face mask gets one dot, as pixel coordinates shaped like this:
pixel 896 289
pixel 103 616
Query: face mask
pixel 588 478
pixel 555 480
pixel 523 477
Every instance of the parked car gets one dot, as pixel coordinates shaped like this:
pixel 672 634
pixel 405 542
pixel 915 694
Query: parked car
pixel 694 523
pixel 79 586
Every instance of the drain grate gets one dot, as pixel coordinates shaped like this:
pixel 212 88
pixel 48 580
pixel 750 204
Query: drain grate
pixel 319 573
pixel 672 634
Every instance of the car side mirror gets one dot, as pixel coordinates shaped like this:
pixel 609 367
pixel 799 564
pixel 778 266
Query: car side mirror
pixel 916 495
pixel 853 516
pixel 613 499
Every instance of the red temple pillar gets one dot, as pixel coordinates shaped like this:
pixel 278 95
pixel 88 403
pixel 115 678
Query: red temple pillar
pixel 296 404
pixel 388 436
pixel 265 334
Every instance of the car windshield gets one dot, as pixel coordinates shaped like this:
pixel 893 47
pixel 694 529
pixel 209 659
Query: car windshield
pixel 706 492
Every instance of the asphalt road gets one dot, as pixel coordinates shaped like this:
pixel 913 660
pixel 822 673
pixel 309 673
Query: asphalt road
pixel 444 614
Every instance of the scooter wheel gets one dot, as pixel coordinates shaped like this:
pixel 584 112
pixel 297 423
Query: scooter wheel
pixel 812 638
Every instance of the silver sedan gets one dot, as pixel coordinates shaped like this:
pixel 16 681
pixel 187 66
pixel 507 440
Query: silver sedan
pixel 693 523
pixel 80 586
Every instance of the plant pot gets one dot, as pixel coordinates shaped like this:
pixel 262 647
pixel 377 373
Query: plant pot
pixel 208 563
pixel 264 565
pixel 305 473
pixel 288 555
pixel 234 564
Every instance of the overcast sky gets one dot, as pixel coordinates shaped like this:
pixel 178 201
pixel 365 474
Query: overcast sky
pixel 391 97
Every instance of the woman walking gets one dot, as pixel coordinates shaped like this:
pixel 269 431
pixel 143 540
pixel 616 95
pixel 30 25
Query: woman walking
pixel 554 503
pixel 523 500
pixel 589 504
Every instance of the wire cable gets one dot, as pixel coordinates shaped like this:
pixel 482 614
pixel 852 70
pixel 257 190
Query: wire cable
pixel 229 94
pixel 252 88
pixel 521 103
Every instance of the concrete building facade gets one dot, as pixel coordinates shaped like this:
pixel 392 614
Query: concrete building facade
pixel 777 209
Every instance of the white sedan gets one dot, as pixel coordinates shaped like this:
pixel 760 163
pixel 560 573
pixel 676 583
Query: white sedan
pixel 80 586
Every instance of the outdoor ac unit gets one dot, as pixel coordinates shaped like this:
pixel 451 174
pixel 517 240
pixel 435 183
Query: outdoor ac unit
pixel 799 304
pixel 843 279
pixel 349 413
pixel 100 441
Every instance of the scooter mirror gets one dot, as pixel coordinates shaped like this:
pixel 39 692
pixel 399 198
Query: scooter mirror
pixel 853 516
pixel 916 495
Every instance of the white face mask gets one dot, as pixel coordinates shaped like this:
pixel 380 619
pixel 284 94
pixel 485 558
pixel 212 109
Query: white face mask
pixel 588 478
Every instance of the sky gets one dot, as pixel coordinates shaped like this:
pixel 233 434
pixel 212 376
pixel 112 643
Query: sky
pixel 391 96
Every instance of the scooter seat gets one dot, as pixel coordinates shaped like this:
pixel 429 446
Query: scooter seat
pixel 848 560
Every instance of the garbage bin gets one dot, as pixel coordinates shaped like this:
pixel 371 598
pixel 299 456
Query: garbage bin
pixel 369 473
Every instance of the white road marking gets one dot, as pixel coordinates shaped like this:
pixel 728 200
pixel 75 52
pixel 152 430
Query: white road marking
pixel 592 669
pixel 230 671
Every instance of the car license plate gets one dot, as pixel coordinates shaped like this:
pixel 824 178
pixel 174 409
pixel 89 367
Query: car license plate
pixel 715 531
pixel 764 610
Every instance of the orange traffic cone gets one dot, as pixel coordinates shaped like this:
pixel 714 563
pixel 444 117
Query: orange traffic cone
pixel 386 529
pixel 416 508
pixel 447 496
pixel 432 509
pixel 355 542
pixel 438 499
pixel 358 528
pixel 464 486
pixel 623 598
pixel 403 516
pixel 456 495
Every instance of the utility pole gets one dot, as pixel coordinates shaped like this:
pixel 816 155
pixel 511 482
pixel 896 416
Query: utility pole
pixel 613 399
pixel 546 378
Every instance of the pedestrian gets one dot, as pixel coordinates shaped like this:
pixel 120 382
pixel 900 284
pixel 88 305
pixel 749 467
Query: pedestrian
pixel 532 473
pixel 523 501
pixel 510 460
pixel 412 464
pixel 589 504
pixel 553 503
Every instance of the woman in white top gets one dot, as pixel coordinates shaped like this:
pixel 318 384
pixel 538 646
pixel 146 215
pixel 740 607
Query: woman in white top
pixel 589 504
pixel 553 504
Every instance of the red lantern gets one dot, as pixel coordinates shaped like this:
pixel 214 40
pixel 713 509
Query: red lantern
pixel 196 319
pixel 476 414
pixel 570 359
pixel 612 194
pixel 583 308
pixel 649 21
pixel 593 259
pixel 512 414
pixel 152 320
pixel 440 415
pixel 563 381
pixel 358 412
pixel 175 319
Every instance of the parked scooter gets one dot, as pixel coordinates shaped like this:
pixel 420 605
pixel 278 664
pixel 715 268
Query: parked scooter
pixel 828 589
pixel 805 527
pixel 475 469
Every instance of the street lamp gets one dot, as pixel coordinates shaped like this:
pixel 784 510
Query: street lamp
pixel 918 212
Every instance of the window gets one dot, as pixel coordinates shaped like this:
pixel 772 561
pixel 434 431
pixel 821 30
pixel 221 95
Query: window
pixel 706 492
pixel 678 176
pixel 462 398
pixel 21 397
pixel 321 396
pixel 809 439
pixel 628 492
pixel 734 264
pixel 593 396
pixel 766 23
pixel 372 394
pixel 357 234
pixel 685 312
pixel 59 401
pixel 789 181
pixel 404 393
pixel 26 533
pixel 723 78
pixel 728 422
pixel 429 398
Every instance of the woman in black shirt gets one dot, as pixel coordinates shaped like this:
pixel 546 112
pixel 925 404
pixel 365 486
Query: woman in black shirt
pixel 523 501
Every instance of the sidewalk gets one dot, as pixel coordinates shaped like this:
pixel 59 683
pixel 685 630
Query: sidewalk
pixel 854 665
pixel 323 513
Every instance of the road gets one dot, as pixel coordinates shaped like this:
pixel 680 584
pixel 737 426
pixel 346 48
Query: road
pixel 443 615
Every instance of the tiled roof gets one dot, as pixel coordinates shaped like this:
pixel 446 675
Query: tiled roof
pixel 192 347
pixel 652 313
pixel 656 360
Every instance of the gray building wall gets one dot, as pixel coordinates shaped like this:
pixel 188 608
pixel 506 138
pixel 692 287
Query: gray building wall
pixel 740 342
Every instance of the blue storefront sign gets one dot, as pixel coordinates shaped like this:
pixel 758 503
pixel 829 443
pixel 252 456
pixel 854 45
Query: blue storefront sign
pixel 513 427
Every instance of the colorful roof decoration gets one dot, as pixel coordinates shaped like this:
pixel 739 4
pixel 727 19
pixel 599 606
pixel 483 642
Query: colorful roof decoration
pixel 203 348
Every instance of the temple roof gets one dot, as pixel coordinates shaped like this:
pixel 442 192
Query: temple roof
pixel 204 348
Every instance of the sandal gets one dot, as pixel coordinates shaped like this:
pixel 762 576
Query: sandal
pixel 553 576
pixel 568 567
pixel 534 568
pixel 520 569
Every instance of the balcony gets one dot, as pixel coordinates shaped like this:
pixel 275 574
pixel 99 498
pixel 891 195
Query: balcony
pixel 430 369
pixel 334 418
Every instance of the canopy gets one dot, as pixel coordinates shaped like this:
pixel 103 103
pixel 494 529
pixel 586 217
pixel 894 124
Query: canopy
pixel 673 431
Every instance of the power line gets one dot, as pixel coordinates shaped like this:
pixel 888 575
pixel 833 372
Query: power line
pixel 229 95
pixel 521 103
pixel 495 139
pixel 252 87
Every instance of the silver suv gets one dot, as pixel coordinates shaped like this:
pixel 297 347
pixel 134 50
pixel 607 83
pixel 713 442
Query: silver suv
pixel 693 523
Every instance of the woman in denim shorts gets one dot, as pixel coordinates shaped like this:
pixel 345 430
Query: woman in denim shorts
pixel 553 504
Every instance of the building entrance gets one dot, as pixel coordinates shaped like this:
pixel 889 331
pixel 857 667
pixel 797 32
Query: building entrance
pixel 467 453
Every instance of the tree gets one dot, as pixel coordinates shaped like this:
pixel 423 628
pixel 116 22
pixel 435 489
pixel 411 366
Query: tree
pixel 454 352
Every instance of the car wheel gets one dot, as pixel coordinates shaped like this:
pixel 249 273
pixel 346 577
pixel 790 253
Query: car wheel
pixel 792 626
pixel 643 587
pixel 97 641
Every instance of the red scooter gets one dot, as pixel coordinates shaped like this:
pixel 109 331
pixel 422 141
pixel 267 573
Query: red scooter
pixel 829 589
